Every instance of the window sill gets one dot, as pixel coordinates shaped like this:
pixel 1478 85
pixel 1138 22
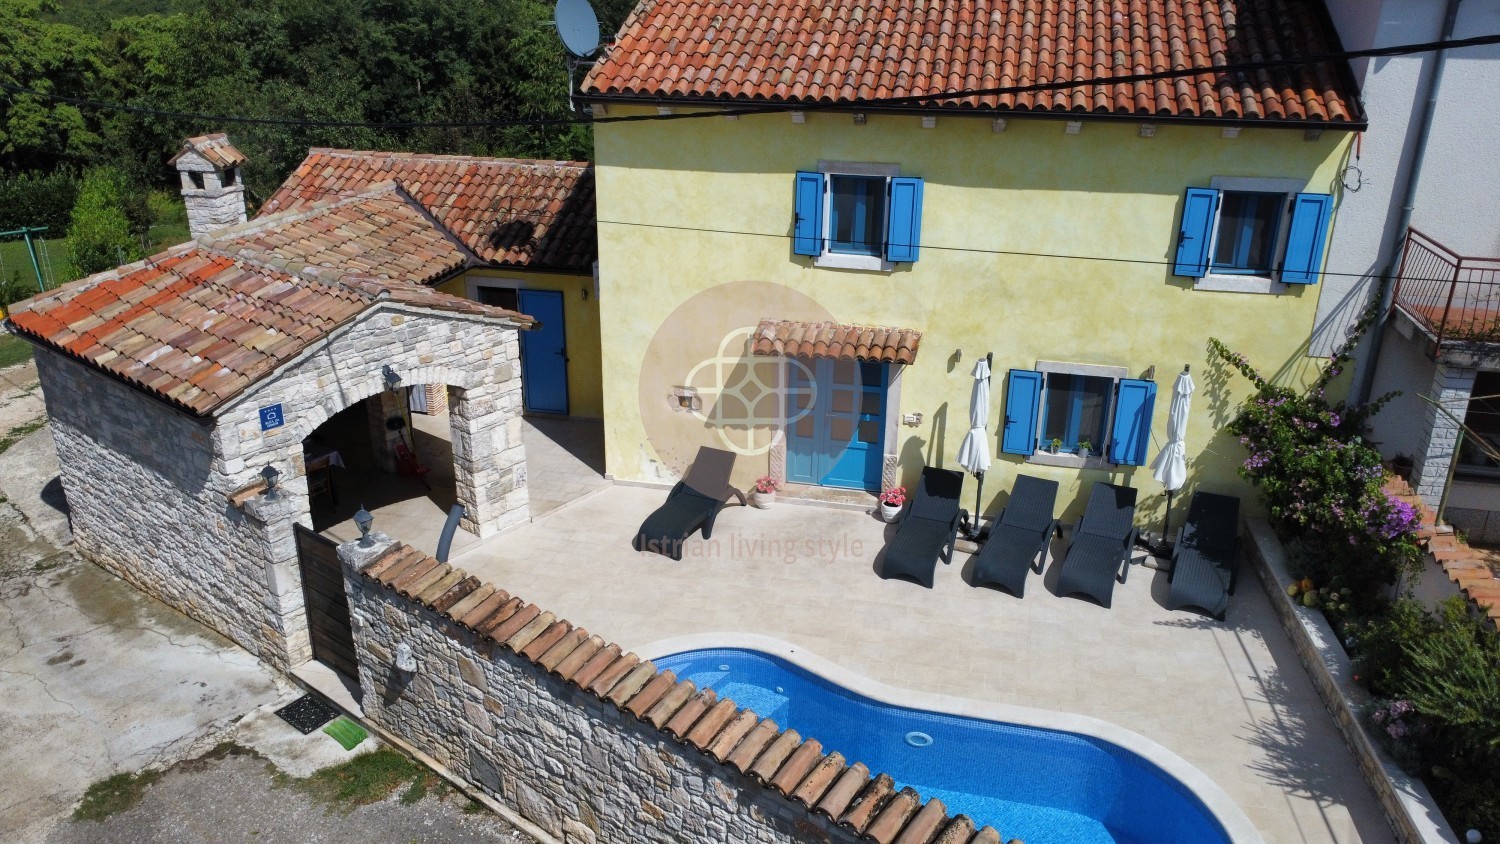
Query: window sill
pixel 1067 461
pixel 1240 284
pixel 837 261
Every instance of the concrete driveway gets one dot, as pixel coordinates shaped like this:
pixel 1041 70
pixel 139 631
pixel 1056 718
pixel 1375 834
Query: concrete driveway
pixel 96 678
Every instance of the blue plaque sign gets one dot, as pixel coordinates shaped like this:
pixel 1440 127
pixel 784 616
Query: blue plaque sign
pixel 271 417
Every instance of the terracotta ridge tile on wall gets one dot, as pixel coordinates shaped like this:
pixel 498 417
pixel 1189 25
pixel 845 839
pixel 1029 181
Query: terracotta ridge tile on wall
pixel 778 760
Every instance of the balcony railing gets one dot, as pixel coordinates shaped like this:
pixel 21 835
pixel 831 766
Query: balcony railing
pixel 1452 296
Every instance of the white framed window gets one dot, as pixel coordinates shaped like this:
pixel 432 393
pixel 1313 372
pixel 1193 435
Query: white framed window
pixel 856 215
pixel 1252 235
pixel 1077 414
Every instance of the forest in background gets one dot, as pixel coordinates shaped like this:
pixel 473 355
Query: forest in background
pixel 354 61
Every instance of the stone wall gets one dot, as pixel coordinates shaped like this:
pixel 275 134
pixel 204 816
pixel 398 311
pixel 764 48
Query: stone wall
pixel 150 487
pixel 1409 806
pixel 145 503
pixel 593 745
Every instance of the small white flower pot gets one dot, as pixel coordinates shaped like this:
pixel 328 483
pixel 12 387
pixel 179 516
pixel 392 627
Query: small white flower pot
pixel 762 500
pixel 889 512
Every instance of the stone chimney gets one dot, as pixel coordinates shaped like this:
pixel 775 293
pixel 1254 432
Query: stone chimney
pixel 211 186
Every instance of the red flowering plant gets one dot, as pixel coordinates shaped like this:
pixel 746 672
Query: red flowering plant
pixel 765 485
pixel 895 496
pixel 1321 481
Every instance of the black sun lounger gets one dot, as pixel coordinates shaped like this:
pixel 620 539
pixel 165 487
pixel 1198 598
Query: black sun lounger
pixel 692 504
pixel 928 528
pixel 1100 551
pixel 1204 566
pixel 1018 539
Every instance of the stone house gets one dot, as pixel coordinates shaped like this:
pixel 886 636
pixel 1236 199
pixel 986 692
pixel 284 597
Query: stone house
pixel 181 389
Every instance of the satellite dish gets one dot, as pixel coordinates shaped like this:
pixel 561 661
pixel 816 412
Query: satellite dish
pixel 578 26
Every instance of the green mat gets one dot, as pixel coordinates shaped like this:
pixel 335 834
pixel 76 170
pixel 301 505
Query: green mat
pixel 346 733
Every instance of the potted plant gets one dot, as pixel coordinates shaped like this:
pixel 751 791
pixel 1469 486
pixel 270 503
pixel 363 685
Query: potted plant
pixel 1055 445
pixel 890 503
pixel 764 494
pixel 1084 447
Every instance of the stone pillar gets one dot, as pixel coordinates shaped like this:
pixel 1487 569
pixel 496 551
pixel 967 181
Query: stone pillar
pixel 380 407
pixel 271 521
pixel 1451 388
pixel 489 459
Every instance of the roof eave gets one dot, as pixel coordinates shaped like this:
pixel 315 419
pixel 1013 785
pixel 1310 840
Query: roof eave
pixel 733 105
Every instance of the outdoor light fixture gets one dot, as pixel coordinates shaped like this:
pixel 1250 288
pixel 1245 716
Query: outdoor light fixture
pixel 406 661
pixel 270 476
pixel 363 520
pixel 392 380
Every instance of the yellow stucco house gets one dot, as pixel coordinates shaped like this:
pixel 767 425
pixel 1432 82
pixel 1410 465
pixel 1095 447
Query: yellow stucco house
pixel 814 221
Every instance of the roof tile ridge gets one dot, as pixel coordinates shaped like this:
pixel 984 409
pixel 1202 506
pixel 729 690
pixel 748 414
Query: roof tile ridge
pixel 470 259
pixel 742 739
pixel 440 156
pixel 82 285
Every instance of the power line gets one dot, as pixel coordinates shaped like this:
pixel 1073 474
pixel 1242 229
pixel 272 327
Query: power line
pixel 542 216
pixel 914 100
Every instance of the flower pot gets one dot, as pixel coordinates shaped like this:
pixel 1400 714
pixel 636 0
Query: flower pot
pixel 762 500
pixel 889 512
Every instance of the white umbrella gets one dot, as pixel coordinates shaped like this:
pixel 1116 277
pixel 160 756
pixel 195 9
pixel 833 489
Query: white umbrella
pixel 1170 465
pixel 974 453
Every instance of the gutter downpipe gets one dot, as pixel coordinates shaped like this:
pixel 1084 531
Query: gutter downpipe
pixel 1408 204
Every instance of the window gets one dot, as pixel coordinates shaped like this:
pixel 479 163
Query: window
pixel 500 297
pixel 1252 235
pixel 857 216
pixel 1073 410
pixel 196 178
pixel 1074 403
pixel 1483 419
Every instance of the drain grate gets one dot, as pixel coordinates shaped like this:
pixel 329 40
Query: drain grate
pixel 307 713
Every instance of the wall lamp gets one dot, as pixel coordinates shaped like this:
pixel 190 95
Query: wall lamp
pixel 363 520
pixel 392 380
pixel 270 476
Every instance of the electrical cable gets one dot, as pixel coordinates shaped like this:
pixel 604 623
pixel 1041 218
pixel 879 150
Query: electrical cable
pixel 913 100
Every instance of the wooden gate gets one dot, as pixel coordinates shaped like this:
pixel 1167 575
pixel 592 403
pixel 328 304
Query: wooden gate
pixel 327 604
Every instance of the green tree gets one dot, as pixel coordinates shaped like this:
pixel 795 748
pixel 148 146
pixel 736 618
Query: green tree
pixel 37 132
pixel 100 235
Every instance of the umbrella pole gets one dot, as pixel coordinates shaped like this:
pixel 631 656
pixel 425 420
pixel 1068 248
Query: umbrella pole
pixel 1166 523
pixel 978 491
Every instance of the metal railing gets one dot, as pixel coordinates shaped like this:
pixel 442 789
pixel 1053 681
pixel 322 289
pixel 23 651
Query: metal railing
pixel 1453 296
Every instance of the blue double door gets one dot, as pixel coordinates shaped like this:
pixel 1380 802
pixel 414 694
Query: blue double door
pixel 544 353
pixel 836 417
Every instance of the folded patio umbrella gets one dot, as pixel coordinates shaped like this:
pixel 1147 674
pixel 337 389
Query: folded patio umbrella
pixel 974 452
pixel 1170 465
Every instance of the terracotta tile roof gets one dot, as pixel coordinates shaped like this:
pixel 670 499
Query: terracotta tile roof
pixel 382 233
pixel 197 326
pixel 216 148
pixel 832 340
pixel 509 212
pixel 774 758
pixel 840 52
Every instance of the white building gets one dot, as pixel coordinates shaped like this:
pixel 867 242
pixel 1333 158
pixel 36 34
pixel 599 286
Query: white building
pixel 1422 185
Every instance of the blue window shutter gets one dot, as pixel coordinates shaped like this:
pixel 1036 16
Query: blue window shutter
pixel 807 231
pixel 1023 399
pixel 1131 428
pixel 1196 233
pixel 1311 213
pixel 903 231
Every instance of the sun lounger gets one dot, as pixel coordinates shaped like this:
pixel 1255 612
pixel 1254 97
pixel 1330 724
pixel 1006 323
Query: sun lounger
pixel 692 504
pixel 1204 566
pixel 1099 553
pixel 930 526
pixel 1018 539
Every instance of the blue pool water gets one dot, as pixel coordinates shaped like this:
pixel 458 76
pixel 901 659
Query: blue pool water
pixel 1037 785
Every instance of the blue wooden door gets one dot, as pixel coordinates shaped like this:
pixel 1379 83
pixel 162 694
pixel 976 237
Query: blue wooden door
pixel 836 423
pixel 544 353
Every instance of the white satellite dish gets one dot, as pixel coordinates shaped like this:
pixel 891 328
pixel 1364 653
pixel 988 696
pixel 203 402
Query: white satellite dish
pixel 578 26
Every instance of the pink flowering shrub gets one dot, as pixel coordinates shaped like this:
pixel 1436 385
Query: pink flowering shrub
pixel 1320 480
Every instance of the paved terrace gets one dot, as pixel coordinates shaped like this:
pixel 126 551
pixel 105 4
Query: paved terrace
pixel 1230 698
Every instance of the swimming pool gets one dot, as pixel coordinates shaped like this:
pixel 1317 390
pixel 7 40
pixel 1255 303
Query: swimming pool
pixel 1038 785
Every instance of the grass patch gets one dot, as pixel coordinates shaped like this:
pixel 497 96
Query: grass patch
pixel 20 432
pixel 369 778
pixel 15 262
pixel 116 794
pixel 13 350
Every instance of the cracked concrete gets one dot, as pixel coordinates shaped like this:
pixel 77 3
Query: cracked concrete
pixel 97 678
